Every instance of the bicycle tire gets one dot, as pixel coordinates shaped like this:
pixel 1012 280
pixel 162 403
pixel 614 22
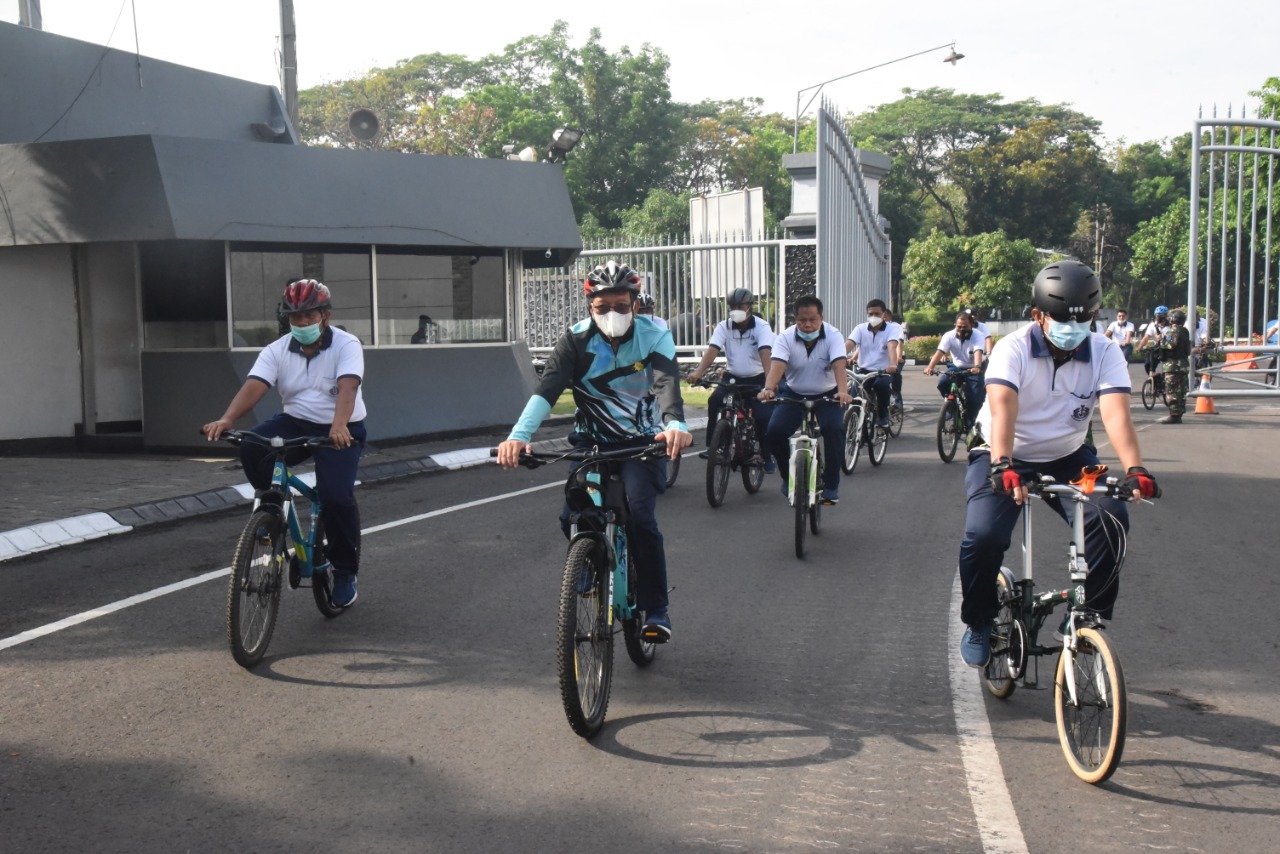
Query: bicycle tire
pixel 1092 732
pixel 800 488
pixel 815 508
pixel 896 418
pixel 253 594
pixel 673 470
pixel 752 473
pixel 584 637
pixel 878 444
pixel 852 437
pixel 640 651
pixel 1149 394
pixel 1008 641
pixel 322 579
pixel 948 438
pixel 719 462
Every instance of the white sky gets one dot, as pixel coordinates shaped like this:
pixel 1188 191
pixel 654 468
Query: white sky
pixel 1141 68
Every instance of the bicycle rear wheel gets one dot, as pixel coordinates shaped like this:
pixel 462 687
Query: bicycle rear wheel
pixel 948 437
pixel 1092 729
pixel 852 437
pixel 639 650
pixel 896 417
pixel 584 637
pixel 719 462
pixel 752 473
pixel 322 579
pixel 877 444
pixel 253 595
pixel 800 488
pixel 1149 394
pixel 673 470
pixel 1008 642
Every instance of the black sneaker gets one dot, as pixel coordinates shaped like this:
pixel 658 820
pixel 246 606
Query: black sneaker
pixel 657 627
pixel 705 453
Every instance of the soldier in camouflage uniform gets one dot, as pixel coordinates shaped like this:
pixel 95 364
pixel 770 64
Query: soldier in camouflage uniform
pixel 1175 362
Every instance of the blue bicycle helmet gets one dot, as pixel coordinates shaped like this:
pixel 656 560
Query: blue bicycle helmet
pixel 1162 309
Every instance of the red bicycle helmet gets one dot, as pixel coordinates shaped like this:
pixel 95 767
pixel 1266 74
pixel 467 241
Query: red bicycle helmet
pixel 611 276
pixel 304 295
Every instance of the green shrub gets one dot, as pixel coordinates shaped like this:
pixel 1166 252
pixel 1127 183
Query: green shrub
pixel 921 347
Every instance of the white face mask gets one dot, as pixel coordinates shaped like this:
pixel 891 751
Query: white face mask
pixel 613 324
pixel 875 320
pixel 737 316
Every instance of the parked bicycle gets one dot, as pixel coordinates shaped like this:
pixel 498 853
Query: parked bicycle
pixel 952 426
pixel 804 478
pixel 597 588
pixel 1090 703
pixel 735 444
pixel 860 428
pixel 272 539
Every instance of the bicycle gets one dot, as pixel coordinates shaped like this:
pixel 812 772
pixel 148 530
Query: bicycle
pixel 897 415
pixel 1090 703
pixel 860 428
pixel 734 444
pixel 596 589
pixel 273 534
pixel 1153 390
pixel 804 480
pixel 952 424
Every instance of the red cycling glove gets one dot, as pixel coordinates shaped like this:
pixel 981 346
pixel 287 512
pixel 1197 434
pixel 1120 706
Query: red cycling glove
pixel 1004 480
pixel 1140 479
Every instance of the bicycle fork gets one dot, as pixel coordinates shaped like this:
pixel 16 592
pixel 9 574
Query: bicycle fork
pixel 801 446
pixel 1079 569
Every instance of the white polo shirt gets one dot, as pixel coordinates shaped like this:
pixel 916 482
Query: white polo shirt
pixel 741 347
pixel 1121 333
pixel 873 346
pixel 961 352
pixel 1054 403
pixel 809 371
pixel 1202 331
pixel 309 387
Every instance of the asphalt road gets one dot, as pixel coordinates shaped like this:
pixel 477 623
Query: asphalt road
pixel 802 704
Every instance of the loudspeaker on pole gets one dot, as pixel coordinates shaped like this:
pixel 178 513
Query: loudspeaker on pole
pixel 363 124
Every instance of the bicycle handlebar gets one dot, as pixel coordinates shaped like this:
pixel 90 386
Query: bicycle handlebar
pixel 536 459
pixel 237 437
pixel 1091 481
pixel 807 403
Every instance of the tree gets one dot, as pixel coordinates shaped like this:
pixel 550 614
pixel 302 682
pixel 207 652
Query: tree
pixel 951 272
pixel 1159 261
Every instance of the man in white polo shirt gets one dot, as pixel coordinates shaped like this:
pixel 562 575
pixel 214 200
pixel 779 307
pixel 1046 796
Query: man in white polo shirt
pixel 808 362
pixel 1043 383
pixel 318 370
pixel 964 347
pixel 1122 331
pixel 746 339
pixel 874 345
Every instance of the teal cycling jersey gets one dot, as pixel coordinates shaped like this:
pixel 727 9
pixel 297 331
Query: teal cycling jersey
pixel 621 395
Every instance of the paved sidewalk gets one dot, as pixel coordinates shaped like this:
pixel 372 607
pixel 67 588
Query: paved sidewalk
pixel 59 500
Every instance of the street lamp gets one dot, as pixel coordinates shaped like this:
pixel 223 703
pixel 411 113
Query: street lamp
pixel 951 57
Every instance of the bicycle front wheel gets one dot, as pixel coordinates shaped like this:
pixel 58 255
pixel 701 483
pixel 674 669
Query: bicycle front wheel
pixel 800 488
pixel 584 637
pixel 752 472
pixel 1092 728
pixel 878 443
pixel 1149 394
pixel 815 507
pixel 852 437
pixel 253 596
pixel 719 462
pixel 948 437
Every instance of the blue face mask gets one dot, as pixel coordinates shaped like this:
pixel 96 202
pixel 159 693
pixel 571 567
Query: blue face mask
pixel 808 336
pixel 305 335
pixel 1067 335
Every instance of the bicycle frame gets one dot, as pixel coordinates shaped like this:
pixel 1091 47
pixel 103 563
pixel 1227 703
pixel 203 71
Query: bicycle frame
pixel 284 483
pixel 607 530
pixel 804 445
pixel 959 393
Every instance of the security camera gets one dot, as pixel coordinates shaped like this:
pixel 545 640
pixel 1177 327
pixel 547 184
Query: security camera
pixel 548 256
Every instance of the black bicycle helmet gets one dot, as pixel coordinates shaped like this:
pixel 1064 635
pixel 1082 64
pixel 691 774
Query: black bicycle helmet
pixel 1067 290
pixel 611 276
pixel 646 304
pixel 1178 317
pixel 740 296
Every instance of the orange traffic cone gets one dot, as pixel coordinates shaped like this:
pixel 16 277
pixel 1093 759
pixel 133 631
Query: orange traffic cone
pixel 1204 403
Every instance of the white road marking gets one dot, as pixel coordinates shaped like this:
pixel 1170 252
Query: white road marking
pixel 992 807
pixel 85 616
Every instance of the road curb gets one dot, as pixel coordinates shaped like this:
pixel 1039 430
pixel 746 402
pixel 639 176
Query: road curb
pixel 44 536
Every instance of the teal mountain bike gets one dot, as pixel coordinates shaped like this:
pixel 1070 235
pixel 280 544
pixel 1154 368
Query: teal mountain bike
pixel 272 547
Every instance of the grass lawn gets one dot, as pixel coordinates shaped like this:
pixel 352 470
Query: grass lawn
pixel 692 397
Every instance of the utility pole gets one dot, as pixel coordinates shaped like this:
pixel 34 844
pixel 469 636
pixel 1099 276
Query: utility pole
pixel 289 60
pixel 29 14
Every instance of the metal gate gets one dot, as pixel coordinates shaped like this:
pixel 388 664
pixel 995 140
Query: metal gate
pixel 1231 228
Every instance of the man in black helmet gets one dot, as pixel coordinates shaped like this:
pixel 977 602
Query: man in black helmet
pixel 746 339
pixel 1043 383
